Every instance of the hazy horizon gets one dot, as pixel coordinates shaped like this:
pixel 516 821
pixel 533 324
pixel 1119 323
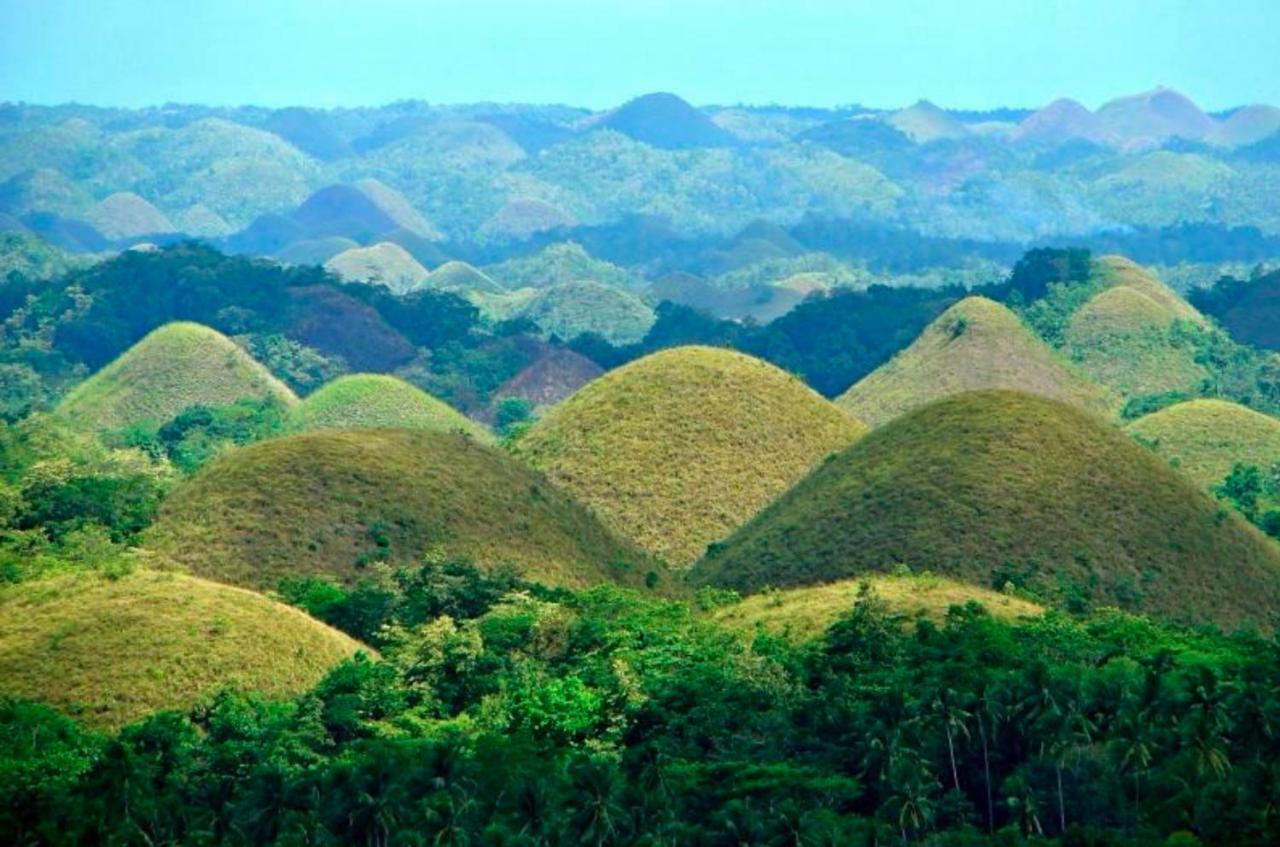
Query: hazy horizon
pixel 133 54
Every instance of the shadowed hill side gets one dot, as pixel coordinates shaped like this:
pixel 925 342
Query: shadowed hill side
pixel 110 651
pixel 995 486
pixel 975 344
pixel 677 449
pixel 173 367
pixel 334 503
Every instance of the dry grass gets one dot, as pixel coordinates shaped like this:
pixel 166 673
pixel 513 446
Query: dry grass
pixel 383 263
pixel 976 344
pixel 332 503
pixel 109 651
pixel 678 449
pixel 802 613
pixel 1204 438
pixel 175 366
pixel 1000 481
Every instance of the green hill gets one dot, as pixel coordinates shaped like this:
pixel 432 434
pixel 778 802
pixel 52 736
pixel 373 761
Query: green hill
pixel 460 276
pixel 334 502
pixel 173 367
pixel 378 401
pixel 110 651
pixel 383 263
pixel 570 309
pixel 1124 337
pixel 802 613
pixel 1206 437
pixel 996 486
pixel 975 344
pixel 126 215
pixel 679 448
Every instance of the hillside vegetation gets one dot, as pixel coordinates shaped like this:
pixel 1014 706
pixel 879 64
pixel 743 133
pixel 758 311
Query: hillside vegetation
pixel 112 650
pixel 998 487
pixel 383 263
pixel 570 309
pixel 802 613
pixel 378 401
pixel 975 344
pixel 1205 438
pixel 176 366
pixel 335 503
pixel 677 449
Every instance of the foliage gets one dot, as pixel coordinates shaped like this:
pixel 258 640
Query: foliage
pixel 199 433
pixel 298 366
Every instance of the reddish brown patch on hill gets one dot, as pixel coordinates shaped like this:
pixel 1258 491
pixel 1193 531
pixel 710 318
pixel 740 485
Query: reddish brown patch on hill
pixel 553 376
pixel 338 325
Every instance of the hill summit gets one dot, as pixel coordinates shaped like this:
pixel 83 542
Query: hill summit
pixel 975 344
pixel 175 366
pixel 1205 438
pixel 997 487
pixel 378 401
pixel 677 449
pixel 664 120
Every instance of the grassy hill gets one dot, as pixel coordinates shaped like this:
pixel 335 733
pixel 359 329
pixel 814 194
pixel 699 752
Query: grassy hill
pixel 996 486
pixel 550 378
pixel 1123 337
pixel 1061 121
pixel 460 276
pixel 126 215
pixel 175 366
pixel 383 263
pixel 335 502
pixel 397 207
pixel 975 344
pixel 925 122
pixel 666 121
pixel 1153 116
pixel 109 651
pixel 802 613
pixel 1206 437
pixel 570 309
pixel 679 448
pixel 378 401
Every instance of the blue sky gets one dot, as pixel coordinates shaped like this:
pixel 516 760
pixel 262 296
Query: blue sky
pixel 962 54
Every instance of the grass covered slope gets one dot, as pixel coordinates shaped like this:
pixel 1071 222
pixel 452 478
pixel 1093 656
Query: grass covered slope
pixel 1124 337
pixel 802 613
pixel 570 309
pixel 384 263
pixel 975 344
pixel 378 401
pixel 679 448
pixel 460 276
pixel 1204 438
pixel 173 367
pixel 333 502
pixel 109 651
pixel 997 486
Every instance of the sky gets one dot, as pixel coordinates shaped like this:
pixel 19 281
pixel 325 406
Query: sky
pixel 964 54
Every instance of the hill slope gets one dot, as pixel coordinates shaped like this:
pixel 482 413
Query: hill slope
pixel 802 613
pixel 383 263
pixel 109 651
pixel 126 215
pixel 333 502
pixel 666 121
pixel 570 309
pixel 378 401
pixel 173 367
pixel 1206 437
pixel 460 276
pixel 677 449
pixel 993 486
pixel 975 344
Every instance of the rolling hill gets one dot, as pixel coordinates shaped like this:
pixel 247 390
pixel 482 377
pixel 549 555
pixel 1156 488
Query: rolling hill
pixel 975 344
pixel 334 502
pixel 383 263
pixel 460 276
pixel 1061 121
pixel 803 613
pixel 378 401
pixel 1122 337
pixel 1246 126
pixel 925 122
pixel 664 120
pixel 1153 116
pixel 550 378
pixel 1204 438
pixel 173 367
pixel 677 449
pixel 995 486
pixel 110 651
pixel 570 309
pixel 126 215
